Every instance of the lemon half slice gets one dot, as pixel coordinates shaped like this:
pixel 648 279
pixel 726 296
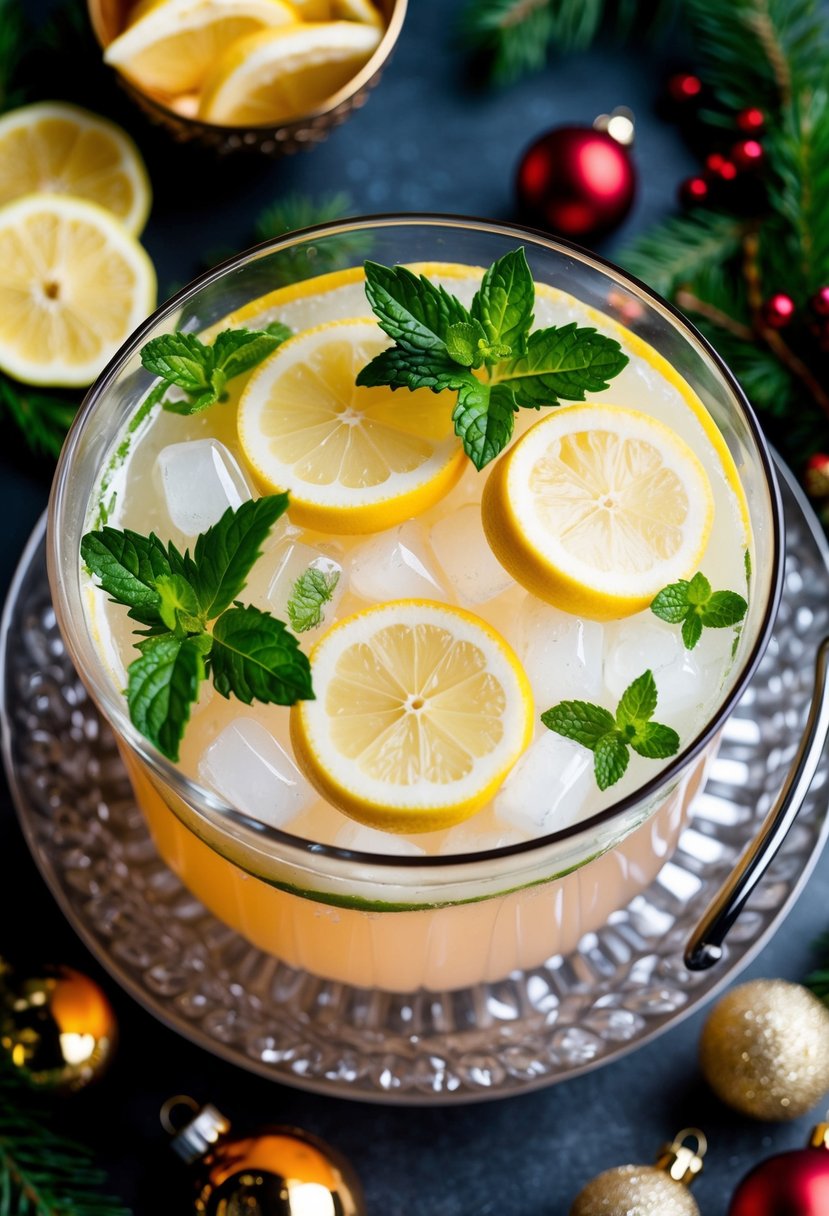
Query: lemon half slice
pixel 421 711
pixel 597 508
pixel 354 459
pixel 73 286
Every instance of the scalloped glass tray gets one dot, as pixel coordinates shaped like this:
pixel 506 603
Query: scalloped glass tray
pixel 621 987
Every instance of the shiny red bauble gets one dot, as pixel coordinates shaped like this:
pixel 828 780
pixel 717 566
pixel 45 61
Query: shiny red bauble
pixel 777 312
pixel 576 182
pixel 791 1184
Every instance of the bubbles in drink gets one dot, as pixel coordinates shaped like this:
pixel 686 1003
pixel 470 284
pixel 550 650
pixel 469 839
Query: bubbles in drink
pixel 396 563
pixel 199 479
pixel 466 559
pixel 247 767
pixel 548 787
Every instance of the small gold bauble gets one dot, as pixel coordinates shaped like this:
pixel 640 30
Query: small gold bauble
pixel 765 1049
pixel 56 1024
pixel 635 1190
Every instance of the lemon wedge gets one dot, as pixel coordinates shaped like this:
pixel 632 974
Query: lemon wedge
pixel 279 74
pixel 596 508
pixel 354 459
pixel 173 45
pixel 422 709
pixel 73 286
pixel 52 147
pixel 357 10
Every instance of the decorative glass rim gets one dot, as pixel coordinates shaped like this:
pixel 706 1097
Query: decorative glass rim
pixel 113 705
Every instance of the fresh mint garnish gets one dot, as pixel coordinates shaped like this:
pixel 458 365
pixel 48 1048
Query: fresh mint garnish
pixel 249 653
pixel 201 371
pixel 697 607
pixel 609 737
pixel 441 345
pixel 309 595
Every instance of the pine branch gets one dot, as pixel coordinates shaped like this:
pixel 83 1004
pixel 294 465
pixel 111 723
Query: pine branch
pixel 334 252
pixel 675 252
pixel 42 1173
pixel 43 419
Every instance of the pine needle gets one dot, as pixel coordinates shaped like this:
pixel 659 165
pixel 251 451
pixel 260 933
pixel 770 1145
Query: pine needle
pixel 676 251
pixel 42 418
pixel 296 212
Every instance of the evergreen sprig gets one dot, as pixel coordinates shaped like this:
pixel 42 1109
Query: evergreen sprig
pixel 41 1172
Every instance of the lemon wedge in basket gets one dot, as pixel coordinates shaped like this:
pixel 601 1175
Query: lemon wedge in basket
pixel 422 709
pixel 280 74
pixel 73 286
pixel 354 459
pixel 596 508
pixel 357 10
pixel 174 43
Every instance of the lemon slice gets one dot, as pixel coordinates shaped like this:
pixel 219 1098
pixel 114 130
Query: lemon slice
pixel 357 10
pixel 57 148
pixel 597 508
pixel 354 459
pixel 421 711
pixel 284 73
pixel 173 45
pixel 73 286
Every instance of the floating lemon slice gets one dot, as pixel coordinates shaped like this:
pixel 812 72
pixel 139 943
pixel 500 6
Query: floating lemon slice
pixel 55 148
pixel 73 286
pixel 421 712
pixel 173 44
pixel 597 508
pixel 284 73
pixel 354 459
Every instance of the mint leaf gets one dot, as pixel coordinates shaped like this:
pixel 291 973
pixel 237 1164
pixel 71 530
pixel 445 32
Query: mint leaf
pixel 637 702
pixel 655 741
pixel 581 721
pixel 505 300
pixel 309 595
pixel 466 342
pixel 610 761
pixel 181 359
pixel 691 630
pixel 179 606
pixel 163 685
pixel 225 553
pixel 127 566
pixel 671 604
pixel 414 312
pixel 236 351
pixel 406 369
pixel 562 362
pixel 699 590
pixel 484 419
pixel 724 608
pixel 255 657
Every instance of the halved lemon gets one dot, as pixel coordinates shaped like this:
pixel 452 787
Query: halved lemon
pixel 73 286
pixel 56 148
pixel 421 711
pixel 597 508
pixel 279 74
pixel 354 459
pixel 173 44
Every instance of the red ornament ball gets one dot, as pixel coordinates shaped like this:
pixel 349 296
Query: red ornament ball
pixel 576 182
pixel 819 302
pixel 791 1184
pixel 684 87
pixel 720 167
pixel 747 154
pixel 751 120
pixel 778 310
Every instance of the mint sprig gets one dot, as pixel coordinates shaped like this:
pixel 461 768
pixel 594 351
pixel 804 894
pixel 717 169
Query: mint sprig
pixel 249 653
pixel 697 607
pixel 310 593
pixel 610 736
pixel 486 353
pixel 201 371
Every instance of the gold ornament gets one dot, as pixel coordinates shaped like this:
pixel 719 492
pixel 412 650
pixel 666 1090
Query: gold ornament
pixel 648 1190
pixel 57 1025
pixel 276 1171
pixel 765 1049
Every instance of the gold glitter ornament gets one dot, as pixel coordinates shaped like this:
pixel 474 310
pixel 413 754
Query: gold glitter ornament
pixel 765 1050
pixel 648 1190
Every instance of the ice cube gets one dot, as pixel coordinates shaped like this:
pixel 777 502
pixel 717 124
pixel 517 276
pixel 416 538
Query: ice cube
pixel 271 585
pixel 247 766
pixel 548 788
pixel 200 479
pixel 465 557
pixel 478 834
pixel 643 642
pixel 395 565
pixel 363 839
pixel 562 654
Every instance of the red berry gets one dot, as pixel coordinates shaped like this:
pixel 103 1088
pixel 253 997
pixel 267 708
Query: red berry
pixel 819 302
pixel 720 167
pixel 683 87
pixel 751 120
pixel 693 191
pixel 778 310
pixel 747 154
pixel 816 475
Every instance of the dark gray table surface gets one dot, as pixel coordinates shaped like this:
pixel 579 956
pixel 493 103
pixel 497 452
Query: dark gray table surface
pixel 427 140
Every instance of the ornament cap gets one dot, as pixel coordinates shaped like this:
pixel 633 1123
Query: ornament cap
pixel 199 1134
pixel 682 1162
pixel 820 1136
pixel 618 124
